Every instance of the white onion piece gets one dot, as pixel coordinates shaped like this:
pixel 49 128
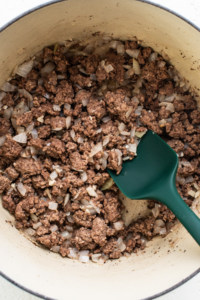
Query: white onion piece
pixel 52 205
pixel 132 148
pixel 170 98
pixel 120 48
pixel 191 193
pixel 85 102
pixel 2 140
pixel 136 67
pixel 21 188
pixel 133 52
pixel 72 134
pixel 20 138
pixel 54 228
pixel 37 225
pixel 55 249
pixel 73 253
pixel 68 122
pixel 189 179
pixel 169 106
pixel 97 148
pixel 53 175
pixel 118 225
pixel 27 95
pixel 80 140
pixel 67 197
pixel 83 256
pixel 120 244
pixel 8 87
pixel 106 119
pixel 66 235
pixel 34 218
pixel 30 231
pixel 91 191
pixel 129 111
pixel 25 68
pixel 159 223
pixel 156 210
pixel 34 134
pixel 119 154
pixel 29 128
pixel 48 68
pixel 96 258
pixel 106 140
pixel 8 113
pixel 153 56
pixel 67 106
pixel 84 176
pixel 2 95
pixel 121 126
pixel 138 110
pixel 56 107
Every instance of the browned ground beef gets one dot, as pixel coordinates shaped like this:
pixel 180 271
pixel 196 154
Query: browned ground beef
pixel 76 113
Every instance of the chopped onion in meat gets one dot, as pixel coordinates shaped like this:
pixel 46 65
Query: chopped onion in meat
pixel 21 188
pixel 25 68
pixel 53 205
pixel 91 191
pixel 20 138
pixel 8 87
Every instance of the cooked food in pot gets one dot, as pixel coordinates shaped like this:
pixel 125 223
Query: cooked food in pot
pixel 74 110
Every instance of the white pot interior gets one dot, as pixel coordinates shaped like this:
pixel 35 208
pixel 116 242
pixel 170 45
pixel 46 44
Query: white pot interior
pixel 166 261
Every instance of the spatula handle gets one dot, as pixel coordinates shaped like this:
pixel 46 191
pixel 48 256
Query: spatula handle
pixel 185 215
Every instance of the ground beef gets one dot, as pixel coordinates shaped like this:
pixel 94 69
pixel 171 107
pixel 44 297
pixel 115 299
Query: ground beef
pixel 86 115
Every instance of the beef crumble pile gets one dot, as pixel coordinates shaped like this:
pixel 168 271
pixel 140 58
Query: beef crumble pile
pixel 71 112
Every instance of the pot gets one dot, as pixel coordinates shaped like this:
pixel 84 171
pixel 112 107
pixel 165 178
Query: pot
pixel 166 262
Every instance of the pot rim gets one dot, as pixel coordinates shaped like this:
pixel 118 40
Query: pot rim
pixel 48 3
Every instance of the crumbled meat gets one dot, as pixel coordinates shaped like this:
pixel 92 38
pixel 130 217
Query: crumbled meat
pixel 78 162
pixel 83 239
pixel 99 229
pixel 4 183
pixel 4 126
pixel 28 166
pixel 10 149
pixel 112 207
pixel 86 115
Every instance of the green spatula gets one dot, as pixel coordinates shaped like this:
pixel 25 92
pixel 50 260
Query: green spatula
pixel 152 175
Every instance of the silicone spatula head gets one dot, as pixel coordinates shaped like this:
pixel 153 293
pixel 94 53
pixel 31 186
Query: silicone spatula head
pixel 152 175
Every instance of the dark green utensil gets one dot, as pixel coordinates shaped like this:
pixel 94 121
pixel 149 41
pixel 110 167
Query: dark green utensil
pixel 152 175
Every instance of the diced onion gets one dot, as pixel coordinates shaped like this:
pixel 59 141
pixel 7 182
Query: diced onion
pixel 56 107
pixel 91 191
pixel 67 197
pixel 118 225
pixel 83 256
pixel 25 68
pixel 133 52
pixel 2 140
pixel 48 68
pixel 136 67
pixel 68 122
pixel 97 148
pixel 52 205
pixel 20 138
pixel 37 225
pixel 84 176
pixel 53 228
pixel 8 87
pixel 53 175
pixel 21 188
pixel 120 244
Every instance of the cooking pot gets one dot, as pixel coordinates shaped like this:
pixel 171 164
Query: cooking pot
pixel 166 262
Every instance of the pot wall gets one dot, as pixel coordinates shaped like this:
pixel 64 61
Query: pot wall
pixel 166 261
